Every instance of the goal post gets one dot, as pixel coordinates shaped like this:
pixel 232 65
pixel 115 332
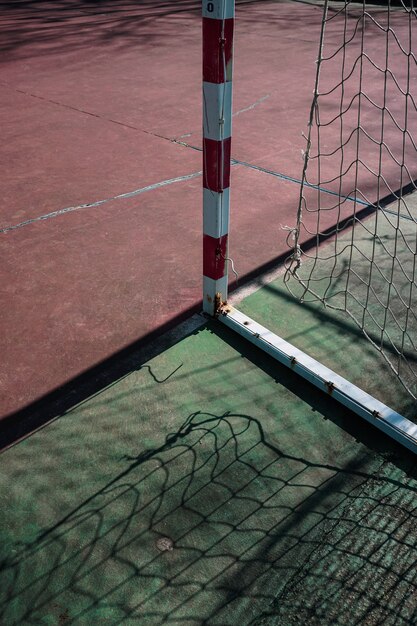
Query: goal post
pixel 218 22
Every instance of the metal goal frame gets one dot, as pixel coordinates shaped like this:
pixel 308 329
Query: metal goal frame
pixel 218 28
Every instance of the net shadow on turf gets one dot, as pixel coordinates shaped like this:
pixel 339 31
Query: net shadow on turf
pixel 241 513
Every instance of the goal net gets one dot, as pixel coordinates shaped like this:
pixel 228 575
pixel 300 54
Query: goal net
pixel 354 242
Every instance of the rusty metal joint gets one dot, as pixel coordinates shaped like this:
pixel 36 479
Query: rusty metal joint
pixel 218 304
pixel 330 386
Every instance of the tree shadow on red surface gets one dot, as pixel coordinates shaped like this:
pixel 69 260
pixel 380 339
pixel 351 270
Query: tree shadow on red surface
pixel 47 28
pixel 38 28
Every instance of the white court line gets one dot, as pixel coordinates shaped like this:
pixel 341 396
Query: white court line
pixel 122 196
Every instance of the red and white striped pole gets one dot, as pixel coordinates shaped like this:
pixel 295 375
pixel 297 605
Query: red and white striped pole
pixel 218 22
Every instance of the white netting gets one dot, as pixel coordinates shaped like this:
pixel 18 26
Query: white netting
pixel 354 244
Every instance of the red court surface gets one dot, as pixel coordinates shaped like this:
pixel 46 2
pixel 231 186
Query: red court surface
pixel 95 99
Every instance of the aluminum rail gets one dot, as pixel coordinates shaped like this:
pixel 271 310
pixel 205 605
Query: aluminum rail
pixel 363 404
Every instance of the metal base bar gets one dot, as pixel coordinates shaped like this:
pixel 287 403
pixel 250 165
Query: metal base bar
pixel 376 413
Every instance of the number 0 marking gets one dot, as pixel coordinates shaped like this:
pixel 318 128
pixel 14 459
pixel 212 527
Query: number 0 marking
pixel 210 7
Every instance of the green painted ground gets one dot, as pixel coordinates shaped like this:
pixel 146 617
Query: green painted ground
pixel 282 508
pixel 370 272
pixel 331 338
